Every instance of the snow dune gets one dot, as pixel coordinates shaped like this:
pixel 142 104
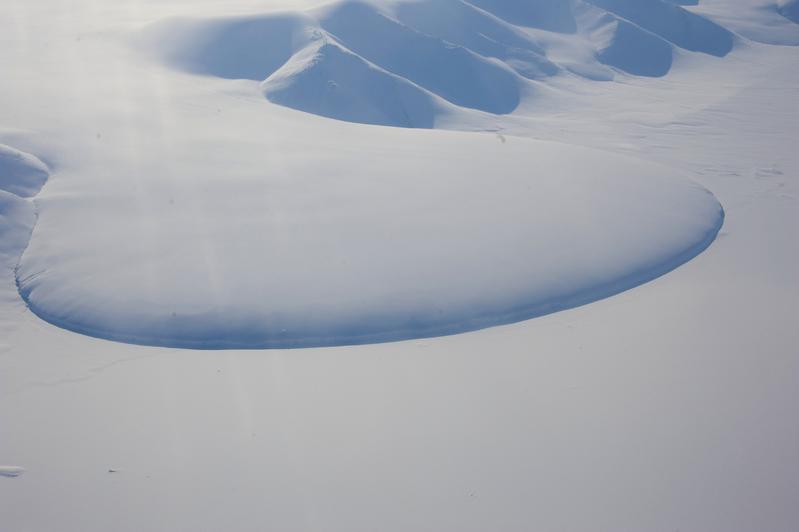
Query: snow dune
pixel 411 61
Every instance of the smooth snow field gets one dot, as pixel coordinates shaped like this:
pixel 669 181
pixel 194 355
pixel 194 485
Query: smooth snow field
pixel 400 265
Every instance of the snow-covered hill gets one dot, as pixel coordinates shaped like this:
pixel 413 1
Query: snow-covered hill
pixel 242 242
pixel 205 174
pixel 401 58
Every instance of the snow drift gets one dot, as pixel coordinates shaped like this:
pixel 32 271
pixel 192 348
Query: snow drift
pixel 789 9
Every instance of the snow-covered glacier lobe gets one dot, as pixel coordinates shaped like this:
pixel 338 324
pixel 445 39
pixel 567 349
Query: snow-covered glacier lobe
pixel 423 234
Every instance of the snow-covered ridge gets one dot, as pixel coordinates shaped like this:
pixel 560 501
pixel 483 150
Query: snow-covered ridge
pixel 404 62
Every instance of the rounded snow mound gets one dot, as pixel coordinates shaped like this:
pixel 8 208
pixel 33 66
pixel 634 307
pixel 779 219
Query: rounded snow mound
pixel 424 234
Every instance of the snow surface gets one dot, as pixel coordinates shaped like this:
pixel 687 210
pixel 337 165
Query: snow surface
pixel 21 176
pixel 388 62
pixel 234 242
pixel 789 9
pixel 427 234
pixel 669 406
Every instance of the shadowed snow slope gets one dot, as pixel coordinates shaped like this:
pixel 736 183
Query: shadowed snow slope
pixel 333 82
pixel 461 23
pixel 673 23
pixel 235 48
pixel 554 15
pixel 290 230
pixel 453 72
pixel 475 55
pixel 21 176
pixel 789 9
pixel 432 233
pixel 628 47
